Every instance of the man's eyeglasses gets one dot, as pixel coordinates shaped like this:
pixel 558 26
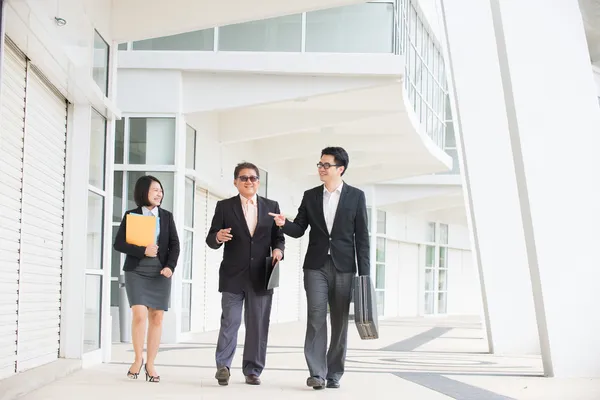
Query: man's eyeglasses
pixel 245 178
pixel 327 165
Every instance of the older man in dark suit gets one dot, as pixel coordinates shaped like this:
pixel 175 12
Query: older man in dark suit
pixel 339 238
pixel 243 225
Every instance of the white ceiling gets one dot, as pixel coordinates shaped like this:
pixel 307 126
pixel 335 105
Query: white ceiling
pixel 373 124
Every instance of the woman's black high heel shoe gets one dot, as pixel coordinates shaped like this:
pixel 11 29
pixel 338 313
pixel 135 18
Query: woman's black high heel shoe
pixel 150 378
pixel 132 375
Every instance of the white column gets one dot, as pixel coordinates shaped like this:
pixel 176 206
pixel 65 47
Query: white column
pixel 489 177
pixel 172 319
pixel 109 177
pixel 75 231
pixel 552 125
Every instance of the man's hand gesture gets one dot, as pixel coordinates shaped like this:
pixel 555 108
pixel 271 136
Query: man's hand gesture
pixel 224 235
pixel 279 219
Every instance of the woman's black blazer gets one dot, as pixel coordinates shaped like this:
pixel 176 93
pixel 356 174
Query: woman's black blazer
pixel 168 242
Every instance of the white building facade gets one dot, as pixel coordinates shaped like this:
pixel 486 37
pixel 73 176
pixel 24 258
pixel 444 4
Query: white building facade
pixel 197 103
pixel 77 132
pixel 97 93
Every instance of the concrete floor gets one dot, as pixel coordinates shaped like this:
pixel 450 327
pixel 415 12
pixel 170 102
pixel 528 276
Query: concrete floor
pixel 414 358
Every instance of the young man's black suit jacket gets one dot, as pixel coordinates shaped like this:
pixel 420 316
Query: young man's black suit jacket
pixel 244 255
pixel 349 239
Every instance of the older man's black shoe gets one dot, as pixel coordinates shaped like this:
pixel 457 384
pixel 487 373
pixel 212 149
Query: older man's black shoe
pixel 252 379
pixel 316 383
pixel 333 384
pixel 222 376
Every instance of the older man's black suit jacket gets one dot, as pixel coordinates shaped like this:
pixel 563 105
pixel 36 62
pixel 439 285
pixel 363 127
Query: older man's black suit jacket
pixel 244 256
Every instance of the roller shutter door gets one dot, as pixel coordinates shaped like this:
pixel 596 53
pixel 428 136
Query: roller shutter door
pixel 12 114
pixel 42 223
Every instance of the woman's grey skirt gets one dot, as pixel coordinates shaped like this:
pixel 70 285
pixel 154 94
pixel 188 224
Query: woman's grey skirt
pixel 146 286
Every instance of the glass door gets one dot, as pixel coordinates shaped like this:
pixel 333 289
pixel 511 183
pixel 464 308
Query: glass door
pixel 435 283
pixel 94 264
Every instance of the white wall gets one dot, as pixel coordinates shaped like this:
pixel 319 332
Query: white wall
pixel 464 294
pixel 409 293
pixel 149 91
pixel 405 263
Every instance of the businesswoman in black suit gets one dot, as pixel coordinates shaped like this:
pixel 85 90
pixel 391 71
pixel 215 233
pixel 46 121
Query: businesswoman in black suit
pixel 148 272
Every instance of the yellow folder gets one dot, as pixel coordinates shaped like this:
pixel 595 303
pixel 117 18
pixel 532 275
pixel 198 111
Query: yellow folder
pixel 141 230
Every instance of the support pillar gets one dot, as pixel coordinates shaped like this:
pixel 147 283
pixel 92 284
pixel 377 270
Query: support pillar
pixel 530 123
pixel 489 177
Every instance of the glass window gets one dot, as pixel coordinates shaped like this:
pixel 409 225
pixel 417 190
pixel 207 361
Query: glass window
pixel 443 261
pixel 381 221
pixel 119 140
pixel 115 264
pixel 413 24
pixel 264 182
pixel 380 295
pixel 369 218
pixel 94 231
pixel 411 94
pixel 272 34
pixel 100 67
pixel 442 284
pixel 455 165
pixel 428 279
pixel 418 111
pixel 188 219
pixel 93 312
pixel 442 303
pixel 429 303
pixel 380 250
pixel 430 124
pixel 450 138
pixel 122 46
pixel 152 141
pixel 444 233
pixel 203 40
pixel 167 180
pixel 430 232
pixel 97 150
pixel 186 308
pixel 380 276
pixel 412 64
pixel 114 293
pixel 360 28
pixel 118 197
pixel 190 147
pixel 448 109
pixel 187 247
pixel 429 256
pixel 419 37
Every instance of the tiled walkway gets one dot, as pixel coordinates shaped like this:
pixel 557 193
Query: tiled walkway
pixel 416 359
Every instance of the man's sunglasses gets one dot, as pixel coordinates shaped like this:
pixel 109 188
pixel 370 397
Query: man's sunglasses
pixel 327 165
pixel 245 178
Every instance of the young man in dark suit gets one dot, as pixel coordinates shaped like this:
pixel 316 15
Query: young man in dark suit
pixel 339 236
pixel 243 225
